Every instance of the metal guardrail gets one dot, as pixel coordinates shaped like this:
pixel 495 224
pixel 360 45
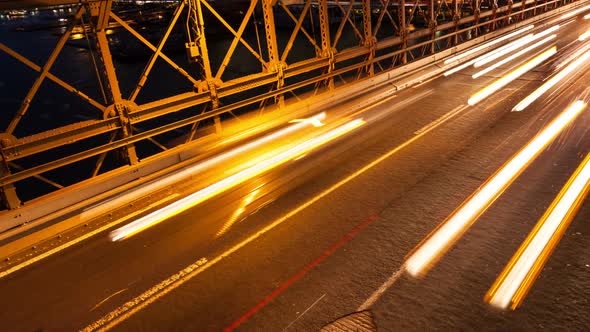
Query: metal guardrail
pixel 381 40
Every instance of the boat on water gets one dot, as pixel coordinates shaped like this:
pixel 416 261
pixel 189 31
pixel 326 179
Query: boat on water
pixel 17 13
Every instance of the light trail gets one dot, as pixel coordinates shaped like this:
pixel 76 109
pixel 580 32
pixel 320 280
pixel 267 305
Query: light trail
pixel 473 61
pixel 237 213
pixel 501 51
pixel 519 275
pixel 572 56
pixel 96 209
pixel 513 57
pixel 500 83
pixel 231 181
pixel 123 312
pixel 459 68
pixel 443 237
pixel 311 121
pixel 488 44
pixel 552 81
pixel 584 36
pixel 513 46
pixel 575 12
pixel 114 223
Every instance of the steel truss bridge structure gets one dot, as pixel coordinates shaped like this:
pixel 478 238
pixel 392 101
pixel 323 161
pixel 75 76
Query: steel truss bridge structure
pixel 385 34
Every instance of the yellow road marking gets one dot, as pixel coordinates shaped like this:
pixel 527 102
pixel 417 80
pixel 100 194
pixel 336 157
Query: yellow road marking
pixel 130 308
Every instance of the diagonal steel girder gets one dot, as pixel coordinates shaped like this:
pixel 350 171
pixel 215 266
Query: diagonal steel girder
pixel 189 99
pixel 45 141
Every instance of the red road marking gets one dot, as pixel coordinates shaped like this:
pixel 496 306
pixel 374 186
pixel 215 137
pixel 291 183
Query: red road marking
pixel 300 274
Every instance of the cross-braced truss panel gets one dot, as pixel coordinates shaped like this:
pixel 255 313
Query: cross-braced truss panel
pixel 178 70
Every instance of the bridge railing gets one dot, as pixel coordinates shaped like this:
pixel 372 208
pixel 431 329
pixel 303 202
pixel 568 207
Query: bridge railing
pixel 243 56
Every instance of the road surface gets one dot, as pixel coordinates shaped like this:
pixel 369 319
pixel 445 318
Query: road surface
pixel 336 225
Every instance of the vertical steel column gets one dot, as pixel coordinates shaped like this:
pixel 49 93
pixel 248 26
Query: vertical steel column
pixel 369 41
pixel 271 44
pixel 509 12
pixel 494 14
pixel 475 5
pixel 403 30
pixel 432 25
pixel 327 50
pixel 8 195
pixel 210 82
pixel 456 18
pixel 202 44
pixel 100 14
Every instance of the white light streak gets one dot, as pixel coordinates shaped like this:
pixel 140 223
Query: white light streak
pixel 488 44
pixel 513 46
pixel 312 121
pixel 513 56
pixel 501 51
pixel 584 36
pixel 231 181
pixel 445 236
pixel 575 12
pixel 551 82
pixel 458 68
pixel 149 187
pixel 573 56
pixel 500 83
pixel 519 275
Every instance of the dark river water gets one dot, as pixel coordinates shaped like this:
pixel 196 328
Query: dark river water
pixel 35 34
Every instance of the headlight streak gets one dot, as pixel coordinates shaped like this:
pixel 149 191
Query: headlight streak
pixel 584 36
pixel 586 16
pixel 231 181
pixel 572 56
pixel 519 275
pixel 501 51
pixel 300 124
pixel 498 84
pixel 513 46
pixel 442 238
pixel 314 122
pixel 459 68
pixel 575 12
pixel 512 57
pixel 552 82
pixel 488 44
pixel 151 186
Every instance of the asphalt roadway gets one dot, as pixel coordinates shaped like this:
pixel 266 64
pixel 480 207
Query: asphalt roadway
pixel 330 231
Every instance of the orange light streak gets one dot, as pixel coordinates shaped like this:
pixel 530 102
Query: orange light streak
pixel 519 275
pixel 443 238
pixel 231 181
pixel 503 81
